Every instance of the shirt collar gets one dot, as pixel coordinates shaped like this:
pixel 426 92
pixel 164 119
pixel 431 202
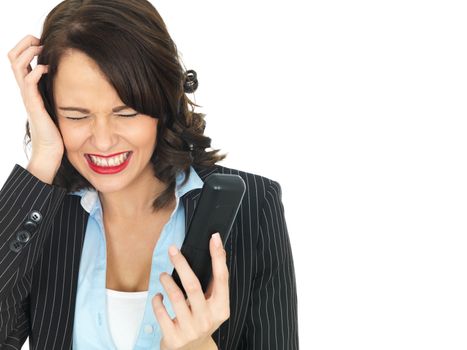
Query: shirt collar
pixel 90 199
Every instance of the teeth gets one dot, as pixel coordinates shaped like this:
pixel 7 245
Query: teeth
pixel 114 161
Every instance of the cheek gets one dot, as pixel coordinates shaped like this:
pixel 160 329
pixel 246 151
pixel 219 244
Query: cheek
pixel 71 138
pixel 151 132
pixel 146 133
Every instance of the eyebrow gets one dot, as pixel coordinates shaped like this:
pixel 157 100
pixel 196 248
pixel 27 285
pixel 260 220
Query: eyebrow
pixel 84 110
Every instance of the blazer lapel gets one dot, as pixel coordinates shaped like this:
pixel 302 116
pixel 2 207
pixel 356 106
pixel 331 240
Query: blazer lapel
pixel 190 201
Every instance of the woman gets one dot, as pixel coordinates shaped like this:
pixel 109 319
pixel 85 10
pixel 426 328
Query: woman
pixel 117 164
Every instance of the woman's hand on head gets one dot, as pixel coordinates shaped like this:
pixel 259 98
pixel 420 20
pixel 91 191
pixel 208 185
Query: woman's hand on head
pixel 201 314
pixel 45 136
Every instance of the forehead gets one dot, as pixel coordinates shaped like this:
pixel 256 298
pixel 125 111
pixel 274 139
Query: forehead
pixel 80 80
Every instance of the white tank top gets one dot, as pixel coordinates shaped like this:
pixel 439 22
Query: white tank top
pixel 125 312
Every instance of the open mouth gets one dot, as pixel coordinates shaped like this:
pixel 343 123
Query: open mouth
pixel 110 161
pixel 109 165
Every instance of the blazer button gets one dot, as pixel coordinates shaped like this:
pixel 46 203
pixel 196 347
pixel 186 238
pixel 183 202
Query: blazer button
pixel 23 236
pixel 35 216
pixel 16 246
pixel 30 226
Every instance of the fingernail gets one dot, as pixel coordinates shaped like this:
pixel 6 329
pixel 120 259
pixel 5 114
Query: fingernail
pixel 217 240
pixel 173 250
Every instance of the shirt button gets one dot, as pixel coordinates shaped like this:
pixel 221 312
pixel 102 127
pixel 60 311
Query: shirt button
pixel 148 329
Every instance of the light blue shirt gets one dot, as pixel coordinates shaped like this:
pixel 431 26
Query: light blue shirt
pixel 91 327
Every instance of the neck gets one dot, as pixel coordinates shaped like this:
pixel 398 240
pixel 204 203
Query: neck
pixel 133 202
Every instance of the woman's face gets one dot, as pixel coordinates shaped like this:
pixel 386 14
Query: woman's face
pixel 80 84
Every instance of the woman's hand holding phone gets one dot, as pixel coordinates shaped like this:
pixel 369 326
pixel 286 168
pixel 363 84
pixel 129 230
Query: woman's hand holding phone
pixel 199 316
pixel 47 142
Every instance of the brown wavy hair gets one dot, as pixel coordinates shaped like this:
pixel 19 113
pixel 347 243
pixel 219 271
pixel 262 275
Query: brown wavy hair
pixel 130 43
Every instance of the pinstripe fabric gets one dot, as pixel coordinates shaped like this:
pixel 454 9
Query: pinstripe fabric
pixel 38 284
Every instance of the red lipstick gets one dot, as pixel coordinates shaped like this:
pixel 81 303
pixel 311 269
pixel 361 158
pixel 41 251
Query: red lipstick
pixel 108 169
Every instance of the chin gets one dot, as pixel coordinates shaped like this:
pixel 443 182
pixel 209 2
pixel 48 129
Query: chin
pixel 105 183
pixel 108 189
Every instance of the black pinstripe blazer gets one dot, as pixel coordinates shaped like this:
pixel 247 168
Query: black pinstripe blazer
pixel 42 231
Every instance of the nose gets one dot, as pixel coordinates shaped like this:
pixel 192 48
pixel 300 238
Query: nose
pixel 103 136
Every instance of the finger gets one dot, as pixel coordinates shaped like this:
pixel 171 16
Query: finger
pixel 220 278
pixel 31 90
pixel 167 325
pixel 23 44
pixel 22 65
pixel 190 283
pixel 177 299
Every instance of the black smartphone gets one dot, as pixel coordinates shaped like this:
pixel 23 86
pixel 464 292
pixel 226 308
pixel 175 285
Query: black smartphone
pixel 216 210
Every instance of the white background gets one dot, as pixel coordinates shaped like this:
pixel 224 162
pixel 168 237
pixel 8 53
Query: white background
pixel 358 109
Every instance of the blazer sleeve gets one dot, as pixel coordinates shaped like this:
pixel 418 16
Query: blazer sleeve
pixel 272 321
pixel 27 208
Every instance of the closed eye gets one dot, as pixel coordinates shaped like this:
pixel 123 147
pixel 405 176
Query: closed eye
pixel 120 115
